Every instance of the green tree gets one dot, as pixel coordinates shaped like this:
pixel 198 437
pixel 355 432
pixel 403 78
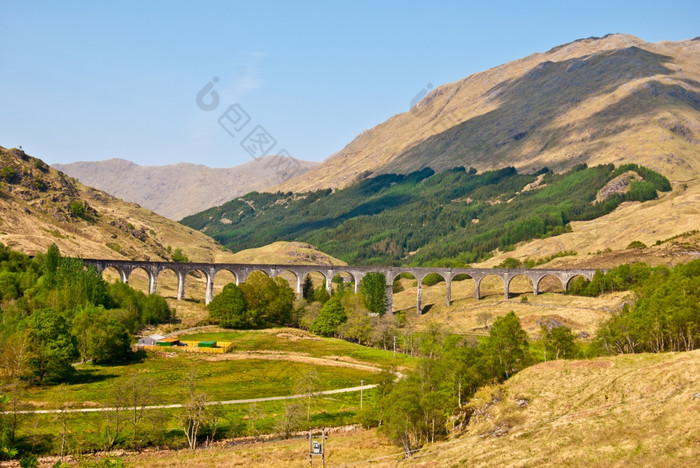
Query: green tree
pixel 99 337
pixel 373 291
pixel 270 302
pixel 52 346
pixel 50 266
pixel 321 294
pixel 9 286
pixel 307 288
pixel 330 318
pixel 402 417
pixel 155 310
pixel 358 326
pixel 506 347
pixel 559 343
pixel 666 317
pixel 228 308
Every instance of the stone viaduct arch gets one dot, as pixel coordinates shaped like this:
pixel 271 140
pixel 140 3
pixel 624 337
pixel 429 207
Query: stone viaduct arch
pixel 242 271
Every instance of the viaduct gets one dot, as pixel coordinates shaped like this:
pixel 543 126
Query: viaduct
pixel 241 272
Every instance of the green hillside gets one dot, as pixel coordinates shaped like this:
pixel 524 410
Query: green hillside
pixel 453 217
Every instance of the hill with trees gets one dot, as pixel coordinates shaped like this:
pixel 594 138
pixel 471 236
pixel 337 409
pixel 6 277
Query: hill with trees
pixel 454 217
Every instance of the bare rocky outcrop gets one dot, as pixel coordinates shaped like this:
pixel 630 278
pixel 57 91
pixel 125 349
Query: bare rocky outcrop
pixel 618 186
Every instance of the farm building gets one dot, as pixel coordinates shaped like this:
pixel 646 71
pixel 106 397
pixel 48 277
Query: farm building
pixel 150 340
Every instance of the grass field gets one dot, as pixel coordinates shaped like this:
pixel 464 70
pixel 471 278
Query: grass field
pixel 264 363
pixel 292 340
pixel 220 379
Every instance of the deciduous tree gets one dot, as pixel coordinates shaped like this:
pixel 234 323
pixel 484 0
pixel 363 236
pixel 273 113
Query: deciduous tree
pixel 228 308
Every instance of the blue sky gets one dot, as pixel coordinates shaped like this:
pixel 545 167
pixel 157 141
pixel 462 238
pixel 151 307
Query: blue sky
pixel 86 80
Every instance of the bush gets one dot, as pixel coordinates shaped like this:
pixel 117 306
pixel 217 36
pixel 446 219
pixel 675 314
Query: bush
pixel 76 208
pixel 8 173
pixel 179 257
pixel 636 245
pixel 155 310
pixel 432 279
pixel 510 263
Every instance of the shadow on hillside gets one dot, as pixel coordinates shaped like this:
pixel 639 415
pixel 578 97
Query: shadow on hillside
pixel 88 376
pixel 523 124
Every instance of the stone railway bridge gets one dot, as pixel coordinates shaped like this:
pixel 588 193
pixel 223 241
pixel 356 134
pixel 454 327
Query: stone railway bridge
pixel 241 272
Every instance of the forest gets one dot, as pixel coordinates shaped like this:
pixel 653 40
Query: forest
pixel 451 218
pixel 56 312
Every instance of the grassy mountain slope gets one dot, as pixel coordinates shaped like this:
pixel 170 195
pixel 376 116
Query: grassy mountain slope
pixel 287 253
pixel 633 410
pixel 599 100
pixel 178 190
pixel 422 218
pixel 40 206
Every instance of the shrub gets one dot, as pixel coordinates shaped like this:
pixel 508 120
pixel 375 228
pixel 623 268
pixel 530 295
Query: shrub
pixel 228 308
pixel 510 263
pixel 8 173
pixel 77 208
pixel 432 279
pixel 179 257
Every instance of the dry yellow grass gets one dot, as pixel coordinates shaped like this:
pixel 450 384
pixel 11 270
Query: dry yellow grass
pixel 281 252
pixel 342 448
pixel 581 314
pixel 634 410
pixel 32 219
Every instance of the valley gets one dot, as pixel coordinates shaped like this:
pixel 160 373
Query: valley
pixel 581 162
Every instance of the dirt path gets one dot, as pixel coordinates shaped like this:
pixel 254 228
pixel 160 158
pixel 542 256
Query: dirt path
pixel 210 403
pixel 332 361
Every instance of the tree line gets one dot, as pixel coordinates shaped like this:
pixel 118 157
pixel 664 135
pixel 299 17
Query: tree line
pixel 665 315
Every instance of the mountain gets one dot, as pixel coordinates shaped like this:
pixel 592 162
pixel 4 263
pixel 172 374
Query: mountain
pixel 455 217
pixel 178 190
pixel 614 99
pixel 40 205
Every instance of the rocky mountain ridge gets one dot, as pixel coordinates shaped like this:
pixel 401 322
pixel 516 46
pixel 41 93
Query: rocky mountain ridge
pixel 616 99
pixel 178 190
